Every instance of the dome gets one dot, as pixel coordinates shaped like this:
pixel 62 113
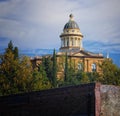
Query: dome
pixel 71 24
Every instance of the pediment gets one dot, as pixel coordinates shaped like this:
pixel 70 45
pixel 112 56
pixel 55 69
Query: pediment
pixel 79 54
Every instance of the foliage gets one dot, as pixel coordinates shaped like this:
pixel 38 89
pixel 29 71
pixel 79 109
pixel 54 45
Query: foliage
pixel 40 80
pixel 47 65
pixel 84 78
pixel 54 69
pixel 8 72
pixel 66 68
pixel 110 73
pixel 17 74
pixel 50 65
pixel 15 51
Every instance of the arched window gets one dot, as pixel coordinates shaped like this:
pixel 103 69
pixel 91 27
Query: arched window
pixel 80 66
pixel 94 67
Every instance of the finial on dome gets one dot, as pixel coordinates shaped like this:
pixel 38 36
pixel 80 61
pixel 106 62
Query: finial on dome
pixel 71 16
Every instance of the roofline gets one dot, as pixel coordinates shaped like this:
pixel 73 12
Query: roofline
pixel 62 35
pixel 84 56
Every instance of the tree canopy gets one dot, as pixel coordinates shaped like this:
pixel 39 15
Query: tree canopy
pixel 17 74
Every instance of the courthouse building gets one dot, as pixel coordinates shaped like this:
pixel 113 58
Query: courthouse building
pixel 71 43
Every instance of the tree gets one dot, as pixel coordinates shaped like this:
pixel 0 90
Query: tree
pixel 40 80
pixel 24 80
pixel 15 51
pixel 93 76
pixel 66 68
pixel 54 69
pixel 8 70
pixel 84 78
pixel 47 65
pixel 15 73
pixel 110 73
pixel 10 46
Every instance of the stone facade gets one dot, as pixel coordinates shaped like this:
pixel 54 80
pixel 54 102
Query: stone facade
pixel 110 100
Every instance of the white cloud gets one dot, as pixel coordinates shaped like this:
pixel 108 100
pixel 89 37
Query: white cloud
pixel 38 23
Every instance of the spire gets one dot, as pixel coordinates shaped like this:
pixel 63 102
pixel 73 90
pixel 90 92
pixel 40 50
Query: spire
pixel 71 17
pixel 107 55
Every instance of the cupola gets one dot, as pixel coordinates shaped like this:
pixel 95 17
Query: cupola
pixel 71 38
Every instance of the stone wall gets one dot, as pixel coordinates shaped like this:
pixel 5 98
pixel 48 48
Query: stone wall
pixel 66 101
pixel 82 100
pixel 110 100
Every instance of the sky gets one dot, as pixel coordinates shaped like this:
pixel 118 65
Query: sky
pixel 37 24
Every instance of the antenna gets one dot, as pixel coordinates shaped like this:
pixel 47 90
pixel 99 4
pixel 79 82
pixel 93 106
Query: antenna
pixel 107 55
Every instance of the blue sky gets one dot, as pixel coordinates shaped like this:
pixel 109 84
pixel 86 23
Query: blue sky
pixel 36 24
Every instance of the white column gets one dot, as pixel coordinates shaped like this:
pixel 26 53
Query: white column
pixel 73 41
pixel 69 40
pixel 62 43
pixel 78 44
pixel 65 42
pixel 81 46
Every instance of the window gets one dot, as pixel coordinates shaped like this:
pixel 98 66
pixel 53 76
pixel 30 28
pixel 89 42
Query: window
pixel 80 66
pixel 93 67
pixel 72 30
pixel 67 30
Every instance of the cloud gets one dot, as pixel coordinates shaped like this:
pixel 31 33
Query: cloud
pixel 38 23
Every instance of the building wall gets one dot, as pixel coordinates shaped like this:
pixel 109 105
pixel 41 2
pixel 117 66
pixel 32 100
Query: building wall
pixel 86 63
pixel 75 61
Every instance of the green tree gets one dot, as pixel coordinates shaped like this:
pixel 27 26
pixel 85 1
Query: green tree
pixel 40 80
pixel 15 73
pixel 8 70
pixel 47 65
pixel 15 51
pixel 54 70
pixel 24 78
pixel 110 73
pixel 66 68
pixel 93 76
pixel 10 46
pixel 84 78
